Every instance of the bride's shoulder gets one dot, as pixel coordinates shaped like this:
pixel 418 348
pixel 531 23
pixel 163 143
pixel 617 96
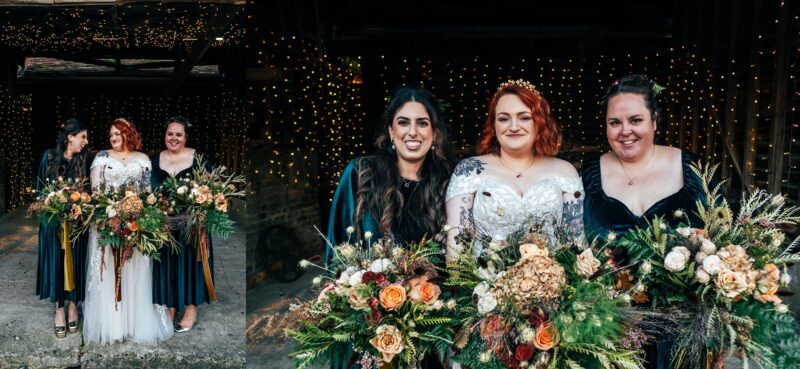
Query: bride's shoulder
pixel 472 166
pixel 560 168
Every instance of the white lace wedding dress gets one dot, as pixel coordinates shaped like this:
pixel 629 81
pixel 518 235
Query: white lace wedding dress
pixel 135 317
pixel 497 210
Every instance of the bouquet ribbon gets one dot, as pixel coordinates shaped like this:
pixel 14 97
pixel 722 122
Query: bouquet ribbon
pixel 202 256
pixel 66 245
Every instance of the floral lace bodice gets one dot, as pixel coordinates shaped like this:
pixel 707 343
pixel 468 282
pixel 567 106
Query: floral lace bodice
pixel 109 173
pixel 498 210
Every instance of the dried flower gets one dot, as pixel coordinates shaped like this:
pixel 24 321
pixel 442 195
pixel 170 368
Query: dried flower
pixel 587 264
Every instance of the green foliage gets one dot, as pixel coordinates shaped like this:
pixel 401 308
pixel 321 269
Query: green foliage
pixel 590 317
pixel 219 223
pixel 775 331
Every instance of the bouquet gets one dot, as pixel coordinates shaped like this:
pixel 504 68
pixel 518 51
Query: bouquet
pixel 727 274
pixel 203 199
pixel 384 302
pixel 65 203
pixel 536 302
pixel 126 219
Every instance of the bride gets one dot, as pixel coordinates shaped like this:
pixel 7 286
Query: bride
pixel 516 177
pixel 135 317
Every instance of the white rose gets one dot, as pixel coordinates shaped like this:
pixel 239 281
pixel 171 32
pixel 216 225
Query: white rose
pixel 355 279
pixel 683 231
pixel 731 283
pixel 110 211
pixel 587 264
pixel 182 190
pixel 380 266
pixel 683 251
pixel 438 305
pixel 712 264
pixel 708 246
pixel 675 261
pixel 782 308
pixel 702 276
pixel 344 278
pixel 699 257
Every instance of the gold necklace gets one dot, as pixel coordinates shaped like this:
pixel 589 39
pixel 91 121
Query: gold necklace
pixel 630 180
pixel 519 174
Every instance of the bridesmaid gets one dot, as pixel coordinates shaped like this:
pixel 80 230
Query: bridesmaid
pixel 69 159
pixel 178 279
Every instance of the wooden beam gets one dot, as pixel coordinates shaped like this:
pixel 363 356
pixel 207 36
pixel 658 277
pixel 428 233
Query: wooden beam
pixel 218 26
pixel 751 109
pixel 731 91
pixel 777 141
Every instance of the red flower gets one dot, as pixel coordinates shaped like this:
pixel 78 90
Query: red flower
pixel 367 277
pixel 374 316
pixel 373 303
pixel 379 278
pixel 523 352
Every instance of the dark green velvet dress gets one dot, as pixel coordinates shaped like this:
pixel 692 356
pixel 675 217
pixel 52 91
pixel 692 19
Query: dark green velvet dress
pixel 178 279
pixel 50 269
pixel 406 230
pixel 603 214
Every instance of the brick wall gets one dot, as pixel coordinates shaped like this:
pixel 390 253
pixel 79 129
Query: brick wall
pixel 279 201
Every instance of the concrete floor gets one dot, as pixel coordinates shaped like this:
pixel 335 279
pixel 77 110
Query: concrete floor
pixel 26 323
pixel 267 316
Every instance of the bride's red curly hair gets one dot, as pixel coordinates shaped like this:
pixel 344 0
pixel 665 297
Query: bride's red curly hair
pixel 546 140
pixel 130 136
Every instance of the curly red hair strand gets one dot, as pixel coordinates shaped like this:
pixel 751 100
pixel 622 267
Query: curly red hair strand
pixel 130 136
pixel 547 139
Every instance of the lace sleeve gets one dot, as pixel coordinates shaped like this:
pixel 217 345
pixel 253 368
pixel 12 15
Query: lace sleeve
pixel 460 198
pixel 97 171
pixel 572 214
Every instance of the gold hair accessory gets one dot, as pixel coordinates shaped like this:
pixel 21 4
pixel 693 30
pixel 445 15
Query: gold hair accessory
pixel 123 120
pixel 519 82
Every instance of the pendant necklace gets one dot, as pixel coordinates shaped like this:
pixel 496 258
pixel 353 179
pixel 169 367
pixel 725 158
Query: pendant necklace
pixel 630 179
pixel 518 174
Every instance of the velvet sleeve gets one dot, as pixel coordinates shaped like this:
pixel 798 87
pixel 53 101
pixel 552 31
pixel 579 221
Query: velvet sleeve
pixel 342 207
pixel 40 176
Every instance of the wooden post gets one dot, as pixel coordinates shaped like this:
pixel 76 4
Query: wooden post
pixel 751 119
pixel 731 92
pixel 777 140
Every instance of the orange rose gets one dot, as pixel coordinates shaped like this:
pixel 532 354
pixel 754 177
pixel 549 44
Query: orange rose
pixel 492 327
pixel 133 227
pixel 772 273
pixel 74 196
pixel 389 341
pixel 422 290
pixel 766 289
pixel 85 197
pixel 546 337
pixel 392 296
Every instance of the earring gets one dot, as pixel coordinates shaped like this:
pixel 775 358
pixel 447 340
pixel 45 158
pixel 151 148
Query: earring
pixel 393 148
pixel 433 148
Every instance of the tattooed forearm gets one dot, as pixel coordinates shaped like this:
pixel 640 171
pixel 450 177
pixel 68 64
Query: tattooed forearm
pixel 572 221
pixel 465 219
pixel 466 166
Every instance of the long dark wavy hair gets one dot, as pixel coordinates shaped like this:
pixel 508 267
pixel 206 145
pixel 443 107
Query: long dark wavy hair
pixel 379 179
pixel 57 163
